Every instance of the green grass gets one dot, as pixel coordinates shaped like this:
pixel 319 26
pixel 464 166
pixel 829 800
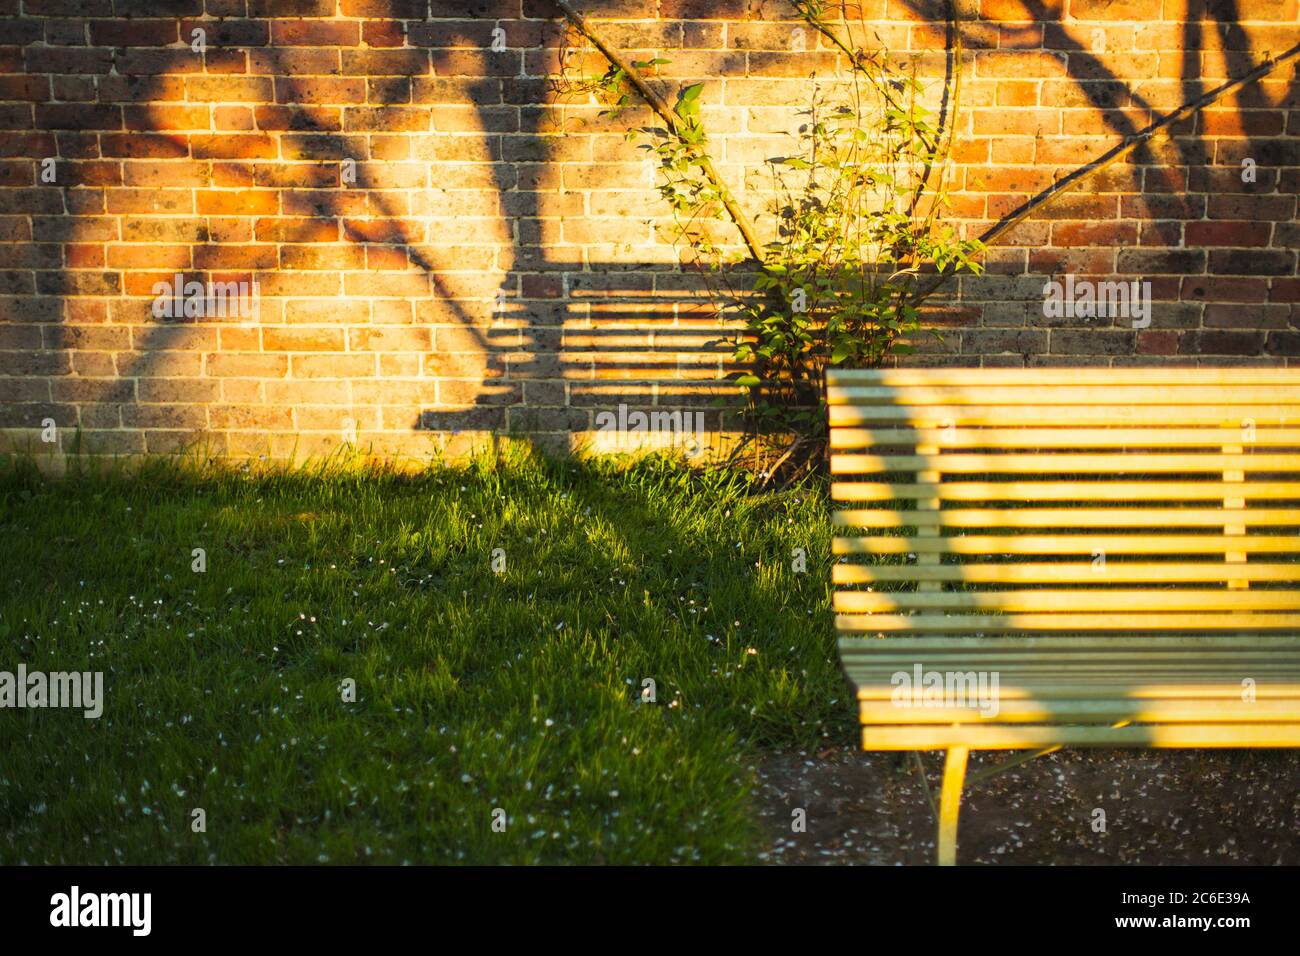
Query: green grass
pixel 475 690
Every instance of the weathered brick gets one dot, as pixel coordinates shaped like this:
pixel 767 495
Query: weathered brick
pixel 1023 341
pixel 333 366
pixel 225 89
pixel 314 33
pixel 78 116
pixel 298 339
pixel 245 202
pixel 1219 342
pixel 237 365
pixel 1253 262
pixel 1227 233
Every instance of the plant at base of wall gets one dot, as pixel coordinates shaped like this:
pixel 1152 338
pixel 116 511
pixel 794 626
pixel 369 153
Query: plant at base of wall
pixel 852 220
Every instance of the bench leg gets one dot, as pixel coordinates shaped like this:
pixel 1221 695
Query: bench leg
pixel 954 775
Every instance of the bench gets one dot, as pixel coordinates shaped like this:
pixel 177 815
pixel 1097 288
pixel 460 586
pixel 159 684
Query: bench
pixel 1028 559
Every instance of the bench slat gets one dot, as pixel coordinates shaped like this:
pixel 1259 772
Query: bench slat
pixel 1094 689
pixel 1118 437
pixel 1277 680
pixel 1057 643
pixel 1116 573
pixel 1077 463
pixel 1013 623
pixel 859 602
pixel 1187 711
pixel 1063 490
pixel 1130 667
pixel 1147 396
pixel 1036 736
pixel 900 377
pixel 1134 671
pixel 1063 517
pixel 920 416
pixel 972 544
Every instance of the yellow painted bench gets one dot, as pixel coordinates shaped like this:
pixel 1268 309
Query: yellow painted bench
pixel 1034 558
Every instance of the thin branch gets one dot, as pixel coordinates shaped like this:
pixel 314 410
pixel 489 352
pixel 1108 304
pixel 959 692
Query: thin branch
pixel 857 59
pixel 674 122
pixel 954 26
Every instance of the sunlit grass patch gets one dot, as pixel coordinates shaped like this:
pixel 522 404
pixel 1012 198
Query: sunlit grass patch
pixel 476 690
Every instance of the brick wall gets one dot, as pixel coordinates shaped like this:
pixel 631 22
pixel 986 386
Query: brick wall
pixel 442 250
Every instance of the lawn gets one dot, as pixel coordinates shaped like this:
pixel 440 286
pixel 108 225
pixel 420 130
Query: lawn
pixel 477 690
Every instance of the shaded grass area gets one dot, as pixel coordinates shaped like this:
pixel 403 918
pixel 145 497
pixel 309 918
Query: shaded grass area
pixel 476 691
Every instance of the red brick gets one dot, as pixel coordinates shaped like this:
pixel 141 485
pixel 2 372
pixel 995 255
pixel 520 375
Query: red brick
pixel 1227 233
pixel 133 33
pixel 246 366
pixel 78 116
pixel 245 202
pixel 314 33
pixel 232 146
pixel 297 230
pixel 299 339
pixel 383 33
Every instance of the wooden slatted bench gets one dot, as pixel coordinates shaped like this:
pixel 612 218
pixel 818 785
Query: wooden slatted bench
pixel 1038 558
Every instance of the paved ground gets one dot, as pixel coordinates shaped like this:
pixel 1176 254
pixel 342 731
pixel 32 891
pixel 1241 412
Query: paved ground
pixel 1161 807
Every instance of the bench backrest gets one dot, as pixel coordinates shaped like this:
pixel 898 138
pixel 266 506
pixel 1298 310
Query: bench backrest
pixel 1067 501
